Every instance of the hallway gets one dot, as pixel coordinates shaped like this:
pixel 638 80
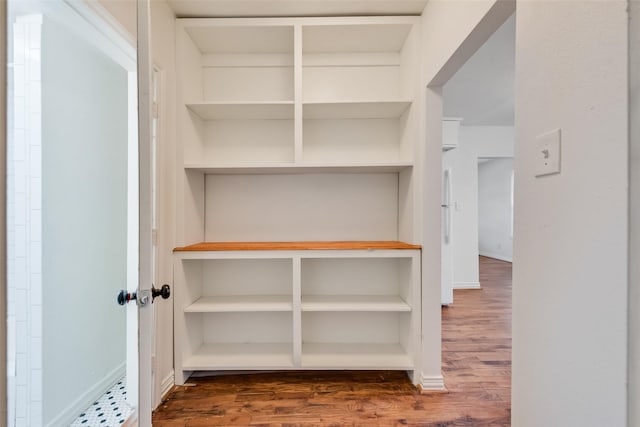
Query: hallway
pixel 476 366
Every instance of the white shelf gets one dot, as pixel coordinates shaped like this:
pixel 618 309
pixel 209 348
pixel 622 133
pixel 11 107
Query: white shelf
pixel 239 38
pixel 241 303
pixel 355 356
pixel 299 168
pixel 375 303
pixel 279 110
pixel 355 109
pixel 240 356
pixel 354 38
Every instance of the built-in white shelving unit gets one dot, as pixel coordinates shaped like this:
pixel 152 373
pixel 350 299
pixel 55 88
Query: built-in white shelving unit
pixel 305 309
pixel 299 172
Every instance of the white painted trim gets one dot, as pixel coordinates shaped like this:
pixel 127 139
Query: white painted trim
pixel 3 206
pixel 109 35
pixel 290 21
pixel 432 383
pixel 90 24
pixel 106 17
pixel 495 256
pixel 146 271
pixel 166 385
pixel 72 411
pixel 495 156
pixel 466 285
pixel 132 240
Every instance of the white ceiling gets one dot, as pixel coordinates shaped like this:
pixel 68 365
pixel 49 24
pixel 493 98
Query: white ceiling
pixel 482 91
pixel 249 8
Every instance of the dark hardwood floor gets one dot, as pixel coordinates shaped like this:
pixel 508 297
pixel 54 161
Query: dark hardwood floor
pixel 476 354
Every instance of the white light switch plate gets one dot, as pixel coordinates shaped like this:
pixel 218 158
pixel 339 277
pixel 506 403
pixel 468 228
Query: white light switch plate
pixel 548 153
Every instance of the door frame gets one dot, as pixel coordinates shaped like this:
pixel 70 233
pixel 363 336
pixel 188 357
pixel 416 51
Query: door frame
pixel 3 207
pixel 431 158
pixel 146 247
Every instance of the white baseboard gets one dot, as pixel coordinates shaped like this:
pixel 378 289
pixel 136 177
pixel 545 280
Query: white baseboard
pixel 71 412
pixel 496 256
pixel 466 285
pixel 166 385
pixel 432 383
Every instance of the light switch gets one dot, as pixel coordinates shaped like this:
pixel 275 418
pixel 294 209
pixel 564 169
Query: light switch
pixel 548 153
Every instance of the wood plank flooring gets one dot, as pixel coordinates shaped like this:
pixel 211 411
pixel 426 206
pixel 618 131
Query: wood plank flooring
pixel 476 365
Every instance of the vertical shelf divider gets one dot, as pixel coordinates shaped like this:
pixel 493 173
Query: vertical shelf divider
pixel 297 92
pixel 297 311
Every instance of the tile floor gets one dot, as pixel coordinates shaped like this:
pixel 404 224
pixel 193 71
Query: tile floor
pixel 111 410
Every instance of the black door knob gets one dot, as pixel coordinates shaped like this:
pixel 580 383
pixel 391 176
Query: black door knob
pixel 164 292
pixel 124 297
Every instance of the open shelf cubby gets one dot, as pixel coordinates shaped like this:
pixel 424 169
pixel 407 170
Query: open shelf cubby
pixel 348 340
pixel 238 90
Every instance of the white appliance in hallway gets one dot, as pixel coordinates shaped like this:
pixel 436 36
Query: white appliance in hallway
pixel 447 248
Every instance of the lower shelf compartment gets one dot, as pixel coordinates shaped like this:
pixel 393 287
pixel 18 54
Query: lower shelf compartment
pixel 355 356
pixel 240 356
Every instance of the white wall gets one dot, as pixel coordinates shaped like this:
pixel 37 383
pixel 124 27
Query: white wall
pixel 475 142
pixel 634 253
pixel 451 33
pixel 489 141
pixel 494 209
pixel 570 238
pixel 84 170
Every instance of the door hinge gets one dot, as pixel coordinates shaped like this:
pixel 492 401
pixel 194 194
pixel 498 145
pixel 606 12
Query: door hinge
pixel 154 237
pixel 154 110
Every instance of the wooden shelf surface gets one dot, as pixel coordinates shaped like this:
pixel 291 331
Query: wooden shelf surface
pixel 295 246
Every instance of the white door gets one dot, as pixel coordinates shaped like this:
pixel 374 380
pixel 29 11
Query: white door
pixel 79 219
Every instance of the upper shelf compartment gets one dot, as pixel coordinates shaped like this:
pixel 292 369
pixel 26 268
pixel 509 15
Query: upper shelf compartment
pixel 358 62
pixel 241 63
pixel 235 39
pixel 354 38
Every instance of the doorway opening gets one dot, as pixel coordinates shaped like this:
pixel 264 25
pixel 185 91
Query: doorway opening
pixel 71 129
pixel 478 137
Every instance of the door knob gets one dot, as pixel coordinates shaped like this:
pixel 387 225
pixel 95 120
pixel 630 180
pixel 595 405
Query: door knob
pixel 124 297
pixel 164 292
